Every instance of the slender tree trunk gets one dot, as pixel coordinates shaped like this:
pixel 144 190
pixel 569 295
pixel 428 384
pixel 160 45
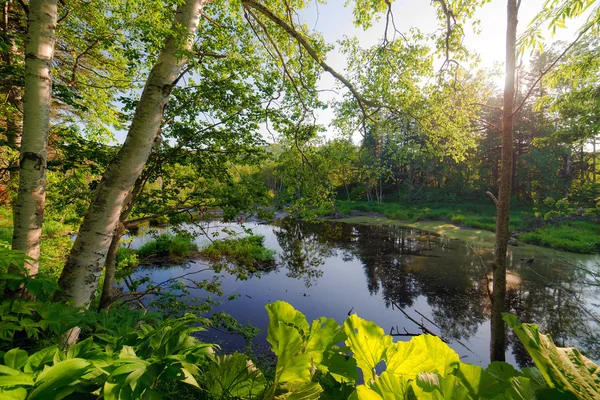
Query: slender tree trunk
pixel 29 207
pixel 497 345
pixel 79 278
pixel 110 267
pixel 12 57
pixel 111 258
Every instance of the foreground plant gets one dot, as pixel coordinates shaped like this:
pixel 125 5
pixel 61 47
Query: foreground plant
pixel 312 364
pixel 128 354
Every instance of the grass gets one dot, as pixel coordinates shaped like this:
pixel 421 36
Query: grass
pixel 577 236
pixel 573 236
pixel 166 245
pixel 55 246
pixel 248 251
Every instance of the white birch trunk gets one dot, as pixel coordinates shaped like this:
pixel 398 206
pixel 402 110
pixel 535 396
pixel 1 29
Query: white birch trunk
pixel 79 278
pixel 29 207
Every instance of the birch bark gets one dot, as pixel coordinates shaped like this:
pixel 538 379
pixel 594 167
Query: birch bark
pixel 79 278
pixel 29 206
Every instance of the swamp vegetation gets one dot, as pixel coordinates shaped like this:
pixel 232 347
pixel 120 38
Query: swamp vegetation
pixel 182 190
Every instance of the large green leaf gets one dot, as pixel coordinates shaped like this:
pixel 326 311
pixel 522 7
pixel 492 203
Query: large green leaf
pixel 423 353
pixel 563 368
pixel 325 332
pixel 280 311
pixel 300 391
pixel 390 386
pixel 286 331
pixel 432 386
pixel 20 379
pixel 13 393
pixel 363 392
pixel 40 358
pixel 234 376
pixel 368 342
pixel 341 367
pixel 15 358
pixel 321 345
pixel 57 377
pixel 479 382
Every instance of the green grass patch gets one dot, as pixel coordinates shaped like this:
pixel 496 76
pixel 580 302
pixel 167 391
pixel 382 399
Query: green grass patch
pixel 577 237
pixel 248 251
pixel 55 246
pixel 167 245
pixel 574 236
pixel 480 216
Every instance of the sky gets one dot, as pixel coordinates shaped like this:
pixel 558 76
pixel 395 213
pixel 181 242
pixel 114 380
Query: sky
pixel 334 21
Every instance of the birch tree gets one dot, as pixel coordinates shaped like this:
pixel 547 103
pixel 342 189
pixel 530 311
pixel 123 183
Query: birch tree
pixel 29 207
pixel 80 276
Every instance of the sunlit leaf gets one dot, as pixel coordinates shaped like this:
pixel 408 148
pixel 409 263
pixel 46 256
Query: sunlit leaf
pixel 368 342
pixel 564 368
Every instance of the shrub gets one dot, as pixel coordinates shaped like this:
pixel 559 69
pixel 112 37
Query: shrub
pixel 167 245
pixel 248 252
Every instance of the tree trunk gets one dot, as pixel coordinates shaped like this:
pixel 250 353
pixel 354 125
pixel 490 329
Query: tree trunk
pixel 29 207
pixel 497 345
pixel 111 258
pixel 110 267
pixel 79 278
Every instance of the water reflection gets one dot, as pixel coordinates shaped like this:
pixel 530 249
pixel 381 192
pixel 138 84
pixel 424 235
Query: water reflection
pixel 331 268
pixel 403 264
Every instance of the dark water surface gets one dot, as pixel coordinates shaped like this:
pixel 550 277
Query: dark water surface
pixel 332 268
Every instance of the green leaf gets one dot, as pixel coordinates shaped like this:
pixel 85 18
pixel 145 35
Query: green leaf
pixel 368 343
pixel 390 386
pixel 286 331
pixel 363 392
pixel 433 386
pixel 479 382
pixel 15 358
pixel 563 368
pixel 341 367
pixel 300 391
pixel 41 357
pixel 16 380
pixel 234 376
pixel 424 353
pixel 58 376
pixel 13 394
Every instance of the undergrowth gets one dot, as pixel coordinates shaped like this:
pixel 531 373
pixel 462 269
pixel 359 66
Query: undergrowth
pixel 573 236
pixel 248 251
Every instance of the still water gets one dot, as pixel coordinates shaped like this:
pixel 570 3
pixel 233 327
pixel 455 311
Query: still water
pixel 333 268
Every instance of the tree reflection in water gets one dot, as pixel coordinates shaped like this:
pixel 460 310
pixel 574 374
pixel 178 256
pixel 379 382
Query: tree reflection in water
pixel 405 264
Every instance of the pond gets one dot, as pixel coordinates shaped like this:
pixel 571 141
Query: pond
pixel 334 268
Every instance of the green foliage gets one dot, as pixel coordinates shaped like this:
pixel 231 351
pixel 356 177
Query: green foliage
pixel 310 365
pixel 565 369
pixel 569 235
pixel 575 236
pixel 246 252
pixel 167 245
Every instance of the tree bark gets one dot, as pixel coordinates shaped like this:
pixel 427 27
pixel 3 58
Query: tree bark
pixel 498 339
pixel 29 207
pixel 79 278
pixel 106 297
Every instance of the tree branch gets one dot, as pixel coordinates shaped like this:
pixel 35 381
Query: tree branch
pixel 550 68
pixel 309 49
